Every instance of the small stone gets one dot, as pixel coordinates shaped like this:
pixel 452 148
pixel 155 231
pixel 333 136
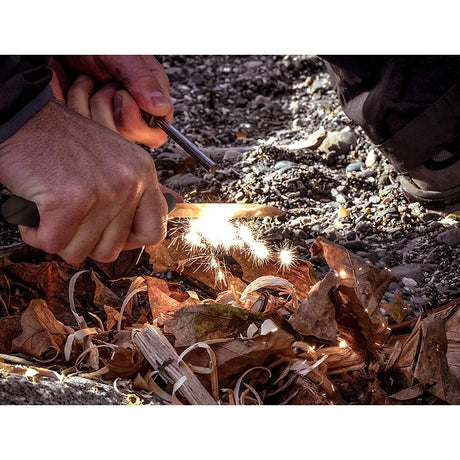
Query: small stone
pixel 232 156
pixel 339 141
pixel 371 158
pixel 409 282
pixel 414 271
pixel 357 166
pixel 450 237
pixel 183 180
pixel 374 199
pixel 340 198
pixel 262 100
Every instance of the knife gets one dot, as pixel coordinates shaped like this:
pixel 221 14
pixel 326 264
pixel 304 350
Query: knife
pixel 19 211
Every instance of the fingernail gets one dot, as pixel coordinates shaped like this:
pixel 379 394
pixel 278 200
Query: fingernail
pixel 158 98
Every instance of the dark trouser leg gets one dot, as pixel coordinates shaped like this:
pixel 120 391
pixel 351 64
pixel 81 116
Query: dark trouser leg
pixel 409 106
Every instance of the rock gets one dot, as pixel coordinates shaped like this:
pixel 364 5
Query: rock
pixel 409 282
pixel 357 166
pixel 371 158
pixel 450 237
pixel 183 180
pixel 232 156
pixel 262 100
pixel 339 141
pixel 414 271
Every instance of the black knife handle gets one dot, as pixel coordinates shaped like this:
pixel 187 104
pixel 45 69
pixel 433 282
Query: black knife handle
pixel 19 211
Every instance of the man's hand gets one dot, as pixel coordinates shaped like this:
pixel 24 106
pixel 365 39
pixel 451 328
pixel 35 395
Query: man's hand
pixel 143 84
pixel 97 193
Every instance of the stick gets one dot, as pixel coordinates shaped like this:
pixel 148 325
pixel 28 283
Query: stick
pixel 164 359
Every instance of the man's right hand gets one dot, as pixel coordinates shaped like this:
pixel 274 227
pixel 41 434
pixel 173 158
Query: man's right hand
pixel 96 192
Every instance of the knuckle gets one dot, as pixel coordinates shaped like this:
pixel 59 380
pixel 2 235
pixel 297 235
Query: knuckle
pixel 105 256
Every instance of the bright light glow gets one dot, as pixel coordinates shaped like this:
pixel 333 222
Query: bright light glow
pixel 343 344
pixel 286 257
pixel 259 250
pixel 342 273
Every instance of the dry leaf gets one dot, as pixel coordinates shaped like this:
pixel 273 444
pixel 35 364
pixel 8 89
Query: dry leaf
pixel 124 363
pixel 198 323
pixel 103 295
pixel 423 359
pixel 52 278
pixel 10 328
pixel 301 275
pixel 397 308
pixel 316 314
pixel 236 355
pixel 408 393
pixel 161 304
pixel 369 282
pixel 452 327
pixel 112 317
pixel 41 332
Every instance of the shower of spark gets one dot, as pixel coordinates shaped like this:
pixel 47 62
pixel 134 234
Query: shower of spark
pixel 217 234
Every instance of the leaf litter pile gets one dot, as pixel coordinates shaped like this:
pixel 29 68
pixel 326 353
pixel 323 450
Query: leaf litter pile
pixel 250 330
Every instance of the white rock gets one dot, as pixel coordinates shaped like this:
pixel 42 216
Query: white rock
pixel 409 282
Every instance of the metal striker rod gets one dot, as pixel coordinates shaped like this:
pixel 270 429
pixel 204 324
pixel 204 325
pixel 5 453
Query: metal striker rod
pixel 190 148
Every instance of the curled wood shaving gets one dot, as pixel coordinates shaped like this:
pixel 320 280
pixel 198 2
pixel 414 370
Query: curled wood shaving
pixel 129 296
pixel 176 386
pixel 80 320
pixel 211 370
pixel 242 376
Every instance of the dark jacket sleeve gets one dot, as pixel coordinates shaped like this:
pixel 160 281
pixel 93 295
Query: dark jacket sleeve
pixel 24 91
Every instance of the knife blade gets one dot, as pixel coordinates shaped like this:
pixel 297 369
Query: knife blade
pixel 231 210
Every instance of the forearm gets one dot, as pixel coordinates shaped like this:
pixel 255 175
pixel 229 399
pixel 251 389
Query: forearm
pixel 24 91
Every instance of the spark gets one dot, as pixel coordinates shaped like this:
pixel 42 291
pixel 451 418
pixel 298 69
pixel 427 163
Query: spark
pixel 286 257
pixel 259 251
pixel 343 344
pixel 342 273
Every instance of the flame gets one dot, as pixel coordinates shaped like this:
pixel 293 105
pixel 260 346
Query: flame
pixel 343 344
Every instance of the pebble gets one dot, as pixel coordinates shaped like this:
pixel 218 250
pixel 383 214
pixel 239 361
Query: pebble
pixel 183 180
pixel 409 282
pixel 374 199
pixel 450 237
pixel 232 156
pixel 371 158
pixel 414 271
pixel 339 141
pixel 357 166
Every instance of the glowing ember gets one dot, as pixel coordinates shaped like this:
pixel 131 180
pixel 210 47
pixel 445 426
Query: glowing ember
pixel 343 344
pixel 342 273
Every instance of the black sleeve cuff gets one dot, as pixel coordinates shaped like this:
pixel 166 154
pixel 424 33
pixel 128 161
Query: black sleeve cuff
pixel 24 91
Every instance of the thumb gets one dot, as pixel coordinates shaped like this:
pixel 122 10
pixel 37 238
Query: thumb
pixel 147 82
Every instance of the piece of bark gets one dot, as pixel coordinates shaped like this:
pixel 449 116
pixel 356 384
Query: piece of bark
pixel 163 358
